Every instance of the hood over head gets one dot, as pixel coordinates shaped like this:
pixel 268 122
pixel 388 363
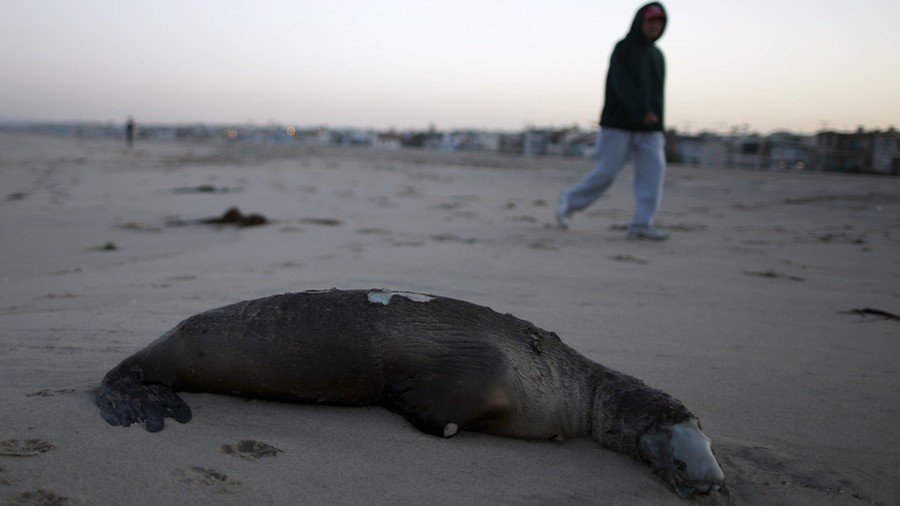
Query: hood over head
pixel 652 9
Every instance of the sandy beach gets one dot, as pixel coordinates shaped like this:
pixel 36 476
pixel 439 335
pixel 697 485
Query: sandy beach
pixel 745 315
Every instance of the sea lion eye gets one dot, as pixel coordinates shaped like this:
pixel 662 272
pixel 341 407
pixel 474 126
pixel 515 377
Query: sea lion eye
pixel 679 464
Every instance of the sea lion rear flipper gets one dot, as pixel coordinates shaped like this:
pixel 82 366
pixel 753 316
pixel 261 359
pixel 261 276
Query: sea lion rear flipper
pixel 126 401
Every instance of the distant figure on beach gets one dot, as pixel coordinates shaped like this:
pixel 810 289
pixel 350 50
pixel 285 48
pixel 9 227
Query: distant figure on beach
pixel 631 127
pixel 129 131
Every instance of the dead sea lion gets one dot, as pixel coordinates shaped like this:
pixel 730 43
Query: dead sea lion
pixel 443 364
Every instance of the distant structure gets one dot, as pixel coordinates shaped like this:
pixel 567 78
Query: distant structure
pixel 860 151
pixel 886 152
pixel 873 152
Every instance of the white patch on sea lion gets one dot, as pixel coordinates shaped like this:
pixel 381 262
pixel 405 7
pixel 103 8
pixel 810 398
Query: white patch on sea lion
pixel 384 297
pixel 450 429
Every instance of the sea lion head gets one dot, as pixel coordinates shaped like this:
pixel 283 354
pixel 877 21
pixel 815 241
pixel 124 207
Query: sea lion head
pixel 683 455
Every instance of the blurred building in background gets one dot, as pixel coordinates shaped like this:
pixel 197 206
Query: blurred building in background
pixel 860 151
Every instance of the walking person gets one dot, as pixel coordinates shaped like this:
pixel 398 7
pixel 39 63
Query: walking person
pixel 129 131
pixel 631 127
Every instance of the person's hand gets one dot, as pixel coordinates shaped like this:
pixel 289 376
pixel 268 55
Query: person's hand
pixel 650 118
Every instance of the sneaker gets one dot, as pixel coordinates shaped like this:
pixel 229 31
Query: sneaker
pixel 646 232
pixel 563 215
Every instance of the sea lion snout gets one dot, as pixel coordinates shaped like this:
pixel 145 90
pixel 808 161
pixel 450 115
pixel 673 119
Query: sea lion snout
pixel 684 454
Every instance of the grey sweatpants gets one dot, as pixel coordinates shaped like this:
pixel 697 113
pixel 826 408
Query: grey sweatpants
pixel 614 148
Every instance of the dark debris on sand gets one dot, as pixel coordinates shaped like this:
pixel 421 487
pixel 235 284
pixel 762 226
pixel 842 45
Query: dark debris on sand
pixel 774 275
pixel 868 311
pixel 234 216
pixel 205 188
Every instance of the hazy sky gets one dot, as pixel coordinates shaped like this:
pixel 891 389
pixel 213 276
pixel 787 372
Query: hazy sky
pixel 491 64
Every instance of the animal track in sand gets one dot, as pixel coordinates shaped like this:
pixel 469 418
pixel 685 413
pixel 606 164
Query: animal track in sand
pixel 250 449
pixel 24 448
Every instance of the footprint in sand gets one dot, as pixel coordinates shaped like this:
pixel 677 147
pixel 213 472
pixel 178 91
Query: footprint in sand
pixel 206 477
pixel 373 231
pixel 408 191
pixel 407 244
pixel 325 222
pixel 544 244
pixel 523 218
pixel 291 265
pixel 466 215
pixel 773 275
pixel 109 246
pixel 24 448
pixel 4 477
pixel 683 227
pixel 46 392
pixel 453 238
pixel 40 497
pixel 138 227
pixel 382 201
pixel 629 258
pixel 448 206
pixel 61 296
pixel 841 237
pixel 250 449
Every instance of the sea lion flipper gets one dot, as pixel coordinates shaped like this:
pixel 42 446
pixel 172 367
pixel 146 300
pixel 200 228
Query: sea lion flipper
pixel 126 401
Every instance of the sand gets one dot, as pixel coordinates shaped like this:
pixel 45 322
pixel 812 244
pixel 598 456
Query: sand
pixel 741 315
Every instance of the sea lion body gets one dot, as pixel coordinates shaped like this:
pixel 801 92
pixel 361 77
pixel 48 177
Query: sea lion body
pixel 443 364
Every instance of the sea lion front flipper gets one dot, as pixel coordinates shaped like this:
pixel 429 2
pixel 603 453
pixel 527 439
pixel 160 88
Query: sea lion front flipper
pixel 126 401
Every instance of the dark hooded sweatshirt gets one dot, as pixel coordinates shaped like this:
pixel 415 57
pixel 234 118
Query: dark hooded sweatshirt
pixel 634 84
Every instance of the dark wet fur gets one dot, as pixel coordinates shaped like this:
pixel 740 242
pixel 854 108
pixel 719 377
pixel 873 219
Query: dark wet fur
pixel 632 409
pixel 407 376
